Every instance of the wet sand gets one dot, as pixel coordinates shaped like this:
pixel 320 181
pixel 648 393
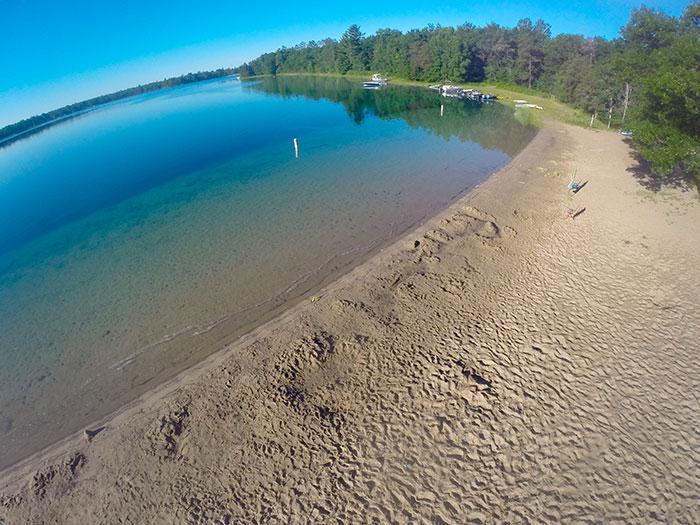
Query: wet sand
pixel 502 363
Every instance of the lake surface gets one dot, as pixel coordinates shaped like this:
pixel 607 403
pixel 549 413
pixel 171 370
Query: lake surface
pixel 140 237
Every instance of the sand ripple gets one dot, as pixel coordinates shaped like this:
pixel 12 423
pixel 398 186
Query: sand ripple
pixel 502 365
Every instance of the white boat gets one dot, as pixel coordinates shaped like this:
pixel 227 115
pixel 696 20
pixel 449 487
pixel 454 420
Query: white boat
pixel 377 82
pixel 452 91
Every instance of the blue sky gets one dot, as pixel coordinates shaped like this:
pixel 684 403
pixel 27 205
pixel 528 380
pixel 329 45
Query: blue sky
pixel 53 53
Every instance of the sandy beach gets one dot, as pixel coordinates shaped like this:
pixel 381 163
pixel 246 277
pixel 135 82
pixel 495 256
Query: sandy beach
pixel 501 364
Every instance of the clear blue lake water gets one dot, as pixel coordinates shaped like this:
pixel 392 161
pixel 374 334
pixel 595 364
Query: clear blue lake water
pixel 140 237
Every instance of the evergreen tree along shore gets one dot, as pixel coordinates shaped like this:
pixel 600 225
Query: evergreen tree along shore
pixel 646 81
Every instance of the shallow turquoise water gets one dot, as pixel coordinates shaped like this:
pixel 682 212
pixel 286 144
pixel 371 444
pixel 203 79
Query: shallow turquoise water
pixel 140 237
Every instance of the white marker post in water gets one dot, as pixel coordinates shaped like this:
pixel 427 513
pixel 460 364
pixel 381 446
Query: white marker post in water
pixel 296 148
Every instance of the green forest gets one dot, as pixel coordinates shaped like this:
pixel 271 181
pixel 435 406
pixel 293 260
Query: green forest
pixel 647 80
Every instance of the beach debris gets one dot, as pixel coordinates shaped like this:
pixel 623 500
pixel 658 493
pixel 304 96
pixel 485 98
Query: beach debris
pixel 575 186
pixel 90 434
pixel 572 213
pixel 572 184
pixel 315 298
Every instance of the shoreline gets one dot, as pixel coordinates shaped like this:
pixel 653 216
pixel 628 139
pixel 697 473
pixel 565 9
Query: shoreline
pixel 487 365
pixel 164 319
pixel 227 336
pixel 285 311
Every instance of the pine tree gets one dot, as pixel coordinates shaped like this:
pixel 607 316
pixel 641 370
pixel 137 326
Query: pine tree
pixel 350 54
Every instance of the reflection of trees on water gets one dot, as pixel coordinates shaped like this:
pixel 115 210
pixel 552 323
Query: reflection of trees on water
pixel 490 125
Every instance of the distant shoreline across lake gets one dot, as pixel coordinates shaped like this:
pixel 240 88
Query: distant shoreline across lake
pixel 37 123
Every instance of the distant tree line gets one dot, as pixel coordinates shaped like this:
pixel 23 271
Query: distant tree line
pixel 22 128
pixel 647 80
